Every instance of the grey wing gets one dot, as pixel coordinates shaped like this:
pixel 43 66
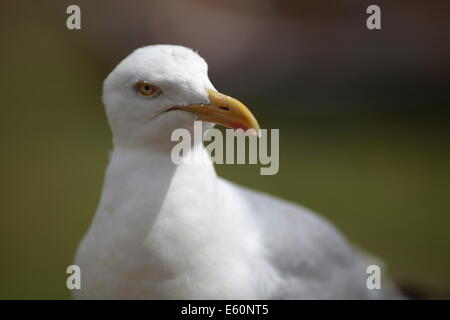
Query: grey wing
pixel 313 258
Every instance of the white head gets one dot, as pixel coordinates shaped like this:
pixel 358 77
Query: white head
pixel 156 79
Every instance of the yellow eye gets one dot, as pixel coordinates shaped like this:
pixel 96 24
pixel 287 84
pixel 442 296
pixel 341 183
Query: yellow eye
pixel 147 89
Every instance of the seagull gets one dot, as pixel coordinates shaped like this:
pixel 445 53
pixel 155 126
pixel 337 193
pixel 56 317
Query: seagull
pixel 166 230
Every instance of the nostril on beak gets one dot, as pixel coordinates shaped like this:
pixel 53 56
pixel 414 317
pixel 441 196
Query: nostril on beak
pixel 224 108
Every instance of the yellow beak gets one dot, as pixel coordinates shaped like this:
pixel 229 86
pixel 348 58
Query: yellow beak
pixel 224 110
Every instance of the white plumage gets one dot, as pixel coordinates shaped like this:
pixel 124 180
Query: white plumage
pixel 168 231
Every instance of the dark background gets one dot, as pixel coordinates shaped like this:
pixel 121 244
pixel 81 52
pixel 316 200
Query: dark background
pixel 363 118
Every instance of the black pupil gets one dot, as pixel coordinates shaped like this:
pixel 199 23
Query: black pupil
pixel 147 88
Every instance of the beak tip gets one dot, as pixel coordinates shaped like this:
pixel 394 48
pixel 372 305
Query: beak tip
pixel 253 131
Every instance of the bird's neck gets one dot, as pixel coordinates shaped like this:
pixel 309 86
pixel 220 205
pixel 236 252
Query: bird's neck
pixel 140 181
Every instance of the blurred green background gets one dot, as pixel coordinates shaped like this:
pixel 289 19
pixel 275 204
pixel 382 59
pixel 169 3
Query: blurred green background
pixel 363 118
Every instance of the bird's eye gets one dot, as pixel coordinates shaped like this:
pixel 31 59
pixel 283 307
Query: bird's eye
pixel 147 89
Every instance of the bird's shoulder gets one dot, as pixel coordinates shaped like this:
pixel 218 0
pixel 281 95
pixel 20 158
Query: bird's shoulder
pixel 296 237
